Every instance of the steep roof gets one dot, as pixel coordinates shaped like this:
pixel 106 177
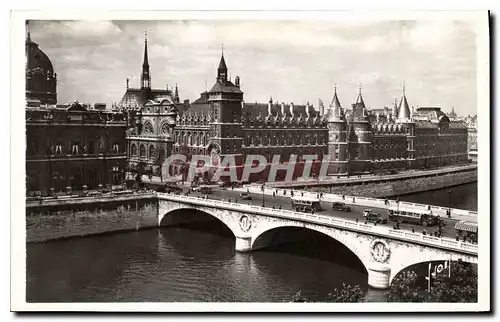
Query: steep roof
pixel 134 97
pixel 404 109
pixel 227 87
pixel 335 112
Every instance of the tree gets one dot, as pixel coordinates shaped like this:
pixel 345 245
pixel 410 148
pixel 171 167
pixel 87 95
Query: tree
pixel 461 286
pixel 345 294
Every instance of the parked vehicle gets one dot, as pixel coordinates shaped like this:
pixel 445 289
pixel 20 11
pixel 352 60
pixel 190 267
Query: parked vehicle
pixel 375 218
pixel 414 217
pixel 467 230
pixel 341 207
pixel 245 196
pixel 366 212
pixel 305 209
pixel 306 204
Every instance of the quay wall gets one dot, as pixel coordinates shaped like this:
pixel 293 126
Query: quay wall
pixel 396 187
pixel 56 219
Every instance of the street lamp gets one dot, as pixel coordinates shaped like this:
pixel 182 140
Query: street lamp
pixel 449 203
pixel 263 200
pixel 397 202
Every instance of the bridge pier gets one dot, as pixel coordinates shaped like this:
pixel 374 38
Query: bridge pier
pixel 379 276
pixel 243 244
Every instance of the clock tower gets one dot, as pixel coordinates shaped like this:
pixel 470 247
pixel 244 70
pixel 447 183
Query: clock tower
pixel 226 135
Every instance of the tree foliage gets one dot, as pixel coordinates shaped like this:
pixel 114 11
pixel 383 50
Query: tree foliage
pixel 461 286
pixel 345 294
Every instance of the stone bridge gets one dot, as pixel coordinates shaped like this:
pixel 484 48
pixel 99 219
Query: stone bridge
pixel 382 251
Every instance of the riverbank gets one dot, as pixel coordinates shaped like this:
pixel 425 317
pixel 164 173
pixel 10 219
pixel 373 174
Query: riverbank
pixel 394 185
pixel 56 219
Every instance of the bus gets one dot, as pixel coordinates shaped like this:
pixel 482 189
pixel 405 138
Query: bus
pixel 467 230
pixel 422 218
pixel 305 204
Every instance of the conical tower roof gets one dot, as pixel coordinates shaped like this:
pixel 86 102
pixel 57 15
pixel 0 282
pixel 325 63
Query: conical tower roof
pixel 404 108
pixel 335 112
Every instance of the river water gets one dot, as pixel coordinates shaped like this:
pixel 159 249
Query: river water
pixel 199 264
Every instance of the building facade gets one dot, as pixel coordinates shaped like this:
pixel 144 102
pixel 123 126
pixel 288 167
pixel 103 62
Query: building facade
pixel 356 140
pixel 72 145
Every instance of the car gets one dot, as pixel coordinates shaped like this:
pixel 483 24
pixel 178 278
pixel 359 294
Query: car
pixel 305 209
pixel 366 212
pixel 245 196
pixel 375 218
pixel 340 206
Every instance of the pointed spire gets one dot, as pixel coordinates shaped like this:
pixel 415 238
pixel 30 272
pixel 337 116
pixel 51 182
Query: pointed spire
pixel 335 104
pixel 176 95
pixel 146 61
pixel 359 100
pixel 28 36
pixel 222 70
pixel 145 76
pixel 222 63
pixel 404 108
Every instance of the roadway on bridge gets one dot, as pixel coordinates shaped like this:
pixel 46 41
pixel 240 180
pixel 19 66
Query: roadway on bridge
pixel 284 202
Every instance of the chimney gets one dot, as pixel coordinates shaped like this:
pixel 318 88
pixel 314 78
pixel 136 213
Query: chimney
pixel 307 109
pixel 282 108
pixel 291 108
pixel 237 81
pixel 321 107
pixel 269 107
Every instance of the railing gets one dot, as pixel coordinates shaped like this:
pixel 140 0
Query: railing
pixel 368 202
pixel 90 198
pixel 443 242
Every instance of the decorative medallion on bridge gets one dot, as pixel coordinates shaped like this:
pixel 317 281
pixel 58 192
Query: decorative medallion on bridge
pixel 245 223
pixel 380 250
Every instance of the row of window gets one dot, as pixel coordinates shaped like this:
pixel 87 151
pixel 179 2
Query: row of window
pixel 152 153
pixel 75 149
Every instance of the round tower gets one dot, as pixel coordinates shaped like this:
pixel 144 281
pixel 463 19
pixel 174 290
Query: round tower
pixel 359 139
pixel 337 138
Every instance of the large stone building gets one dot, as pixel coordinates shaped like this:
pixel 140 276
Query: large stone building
pixel 68 145
pixel 357 140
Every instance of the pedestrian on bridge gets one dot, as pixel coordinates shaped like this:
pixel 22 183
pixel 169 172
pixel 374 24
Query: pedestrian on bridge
pixel 353 200
pixel 413 230
pixel 302 194
pixel 274 194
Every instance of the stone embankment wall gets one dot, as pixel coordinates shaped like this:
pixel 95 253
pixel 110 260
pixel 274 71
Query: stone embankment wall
pixel 56 222
pixel 400 187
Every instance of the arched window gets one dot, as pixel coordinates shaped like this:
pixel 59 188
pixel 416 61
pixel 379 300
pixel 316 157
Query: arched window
pixel 152 152
pixel 142 151
pixel 133 149
pixel 148 128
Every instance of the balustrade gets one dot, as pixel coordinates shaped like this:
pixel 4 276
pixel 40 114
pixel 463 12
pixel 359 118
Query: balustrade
pixel 327 220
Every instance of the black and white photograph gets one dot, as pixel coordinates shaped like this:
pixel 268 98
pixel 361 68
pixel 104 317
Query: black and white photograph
pixel 271 161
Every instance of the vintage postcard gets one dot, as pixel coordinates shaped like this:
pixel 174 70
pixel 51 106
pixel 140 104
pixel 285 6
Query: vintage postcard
pixel 250 161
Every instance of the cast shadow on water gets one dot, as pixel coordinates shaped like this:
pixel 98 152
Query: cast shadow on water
pixel 188 263
pixel 297 259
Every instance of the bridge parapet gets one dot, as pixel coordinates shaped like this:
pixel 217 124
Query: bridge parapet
pixel 442 243
pixel 369 202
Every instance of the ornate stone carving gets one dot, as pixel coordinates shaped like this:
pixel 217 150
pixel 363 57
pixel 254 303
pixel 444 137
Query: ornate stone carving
pixel 380 251
pixel 245 223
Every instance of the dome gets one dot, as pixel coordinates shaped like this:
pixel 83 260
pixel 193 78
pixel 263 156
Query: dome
pixel 37 59
pixel 41 81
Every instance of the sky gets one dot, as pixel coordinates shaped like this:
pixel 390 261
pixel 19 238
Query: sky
pixel 290 61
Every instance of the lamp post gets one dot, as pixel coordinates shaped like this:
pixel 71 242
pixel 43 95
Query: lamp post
pixel 397 202
pixel 263 200
pixel 449 203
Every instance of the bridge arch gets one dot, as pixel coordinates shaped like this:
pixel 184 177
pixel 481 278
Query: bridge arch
pixel 263 238
pixel 178 213
pixel 416 258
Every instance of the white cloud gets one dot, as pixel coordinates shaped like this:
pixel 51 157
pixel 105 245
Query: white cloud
pixel 296 61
